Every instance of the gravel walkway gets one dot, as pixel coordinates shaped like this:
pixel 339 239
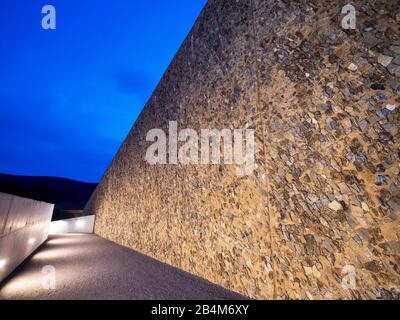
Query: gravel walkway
pixel 89 267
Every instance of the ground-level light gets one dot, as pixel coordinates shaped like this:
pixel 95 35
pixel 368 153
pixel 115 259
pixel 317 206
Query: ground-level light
pixel 80 223
pixel 2 263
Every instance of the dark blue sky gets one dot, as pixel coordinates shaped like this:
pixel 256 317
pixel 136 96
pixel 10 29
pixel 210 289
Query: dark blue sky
pixel 69 96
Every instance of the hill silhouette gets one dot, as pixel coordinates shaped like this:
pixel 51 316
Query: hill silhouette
pixel 69 196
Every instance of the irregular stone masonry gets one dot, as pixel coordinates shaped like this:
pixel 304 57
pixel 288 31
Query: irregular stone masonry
pixel 319 218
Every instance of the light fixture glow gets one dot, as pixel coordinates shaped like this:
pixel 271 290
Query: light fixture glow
pixel 2 263
pixel 80 223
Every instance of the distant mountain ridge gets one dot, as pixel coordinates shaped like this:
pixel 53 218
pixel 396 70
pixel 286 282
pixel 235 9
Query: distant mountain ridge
pixel 69 196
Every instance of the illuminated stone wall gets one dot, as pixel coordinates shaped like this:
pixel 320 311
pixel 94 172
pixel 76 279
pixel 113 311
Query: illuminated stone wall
pixel 319 217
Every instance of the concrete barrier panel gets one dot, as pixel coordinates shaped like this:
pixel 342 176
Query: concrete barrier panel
pixel 5 203
pixel 24 226
pixel 77 225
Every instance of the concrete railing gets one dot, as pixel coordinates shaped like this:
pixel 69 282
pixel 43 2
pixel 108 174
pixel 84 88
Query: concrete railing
pixel 24 225
pixel 76 225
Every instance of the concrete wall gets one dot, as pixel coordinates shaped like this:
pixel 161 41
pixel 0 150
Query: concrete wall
pixel 319 217
pixel 24 225
pixel 76 225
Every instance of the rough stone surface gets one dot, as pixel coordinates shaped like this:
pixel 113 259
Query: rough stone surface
pixel 384 60
pixel 280 67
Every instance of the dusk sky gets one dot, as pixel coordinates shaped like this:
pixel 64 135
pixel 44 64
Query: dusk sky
pixel 68 97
